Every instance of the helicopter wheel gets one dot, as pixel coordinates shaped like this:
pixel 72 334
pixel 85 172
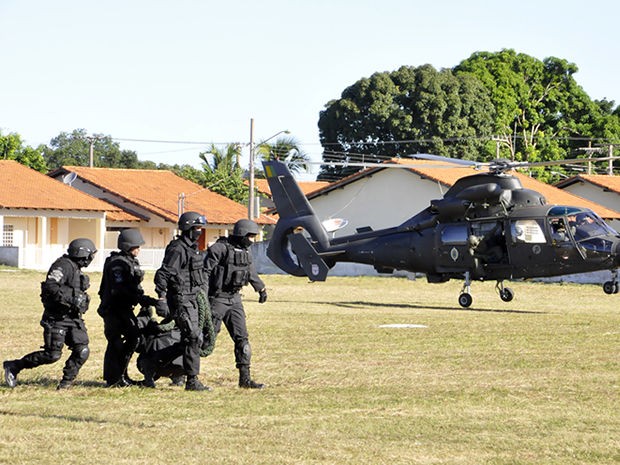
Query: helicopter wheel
pixel 506 294
pixel 465 300
pixel 610 287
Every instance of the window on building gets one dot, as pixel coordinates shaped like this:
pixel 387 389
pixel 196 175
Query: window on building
pixel 7 235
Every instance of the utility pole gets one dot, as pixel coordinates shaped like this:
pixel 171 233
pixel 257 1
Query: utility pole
pixel 91 152
pixel 251 173
pixel 252 197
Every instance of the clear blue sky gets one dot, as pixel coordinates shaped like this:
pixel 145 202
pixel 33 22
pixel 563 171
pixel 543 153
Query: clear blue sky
pixel 198 70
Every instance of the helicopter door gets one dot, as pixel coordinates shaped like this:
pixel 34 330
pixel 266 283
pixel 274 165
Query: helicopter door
pixel 453 251
pixel 528 245
pixel 487 242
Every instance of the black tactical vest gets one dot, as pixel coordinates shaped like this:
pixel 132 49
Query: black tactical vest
pixel 232 273
pixel 114 282
pixel 57 291
pixel 192 275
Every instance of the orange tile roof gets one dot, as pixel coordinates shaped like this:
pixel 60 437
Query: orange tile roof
pixel 605 181
pixel 158 191
pixel 306 186
pixel 448 173
pixel 23 187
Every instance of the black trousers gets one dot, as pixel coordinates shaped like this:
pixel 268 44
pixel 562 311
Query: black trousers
pixel 228 309
pixel 187 320
pixel 58 332
pixel 122 333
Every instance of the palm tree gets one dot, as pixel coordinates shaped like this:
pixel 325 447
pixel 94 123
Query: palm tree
pixel 286 149
pixel 223 173
pixel 226 159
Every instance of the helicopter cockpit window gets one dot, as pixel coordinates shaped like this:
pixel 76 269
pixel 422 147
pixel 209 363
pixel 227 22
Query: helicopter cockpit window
pixel 529 231
pixel 454 235
pixel 585 225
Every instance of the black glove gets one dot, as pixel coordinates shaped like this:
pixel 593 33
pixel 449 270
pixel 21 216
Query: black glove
pixel 80 301
pixel 161 308
pixel 147 301
pixel 262 296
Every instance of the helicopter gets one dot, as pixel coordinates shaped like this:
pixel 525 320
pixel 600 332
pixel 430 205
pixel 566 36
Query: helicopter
pixel 486 227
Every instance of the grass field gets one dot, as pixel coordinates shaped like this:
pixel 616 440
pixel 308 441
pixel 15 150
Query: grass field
pixel 533 381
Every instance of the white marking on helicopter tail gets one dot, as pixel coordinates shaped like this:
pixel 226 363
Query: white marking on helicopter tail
pixel 402 325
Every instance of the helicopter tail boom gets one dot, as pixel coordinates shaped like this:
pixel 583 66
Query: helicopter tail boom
pixel 289 247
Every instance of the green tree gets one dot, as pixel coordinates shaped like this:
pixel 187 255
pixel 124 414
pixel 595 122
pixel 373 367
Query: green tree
pixel 74 149
pixel 12 148
pixel 542 113
pixel 407 111
pixel 222 172
pixel 285 149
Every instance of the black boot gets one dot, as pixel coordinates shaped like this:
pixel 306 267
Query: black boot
pixel 193 384
pixel 64 384
pixel 148 381
pixel 245 380
pixel 10 373
pixel 121 383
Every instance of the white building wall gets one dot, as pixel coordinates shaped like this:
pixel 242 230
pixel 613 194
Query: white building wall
pixel 387 199
pixel 596 194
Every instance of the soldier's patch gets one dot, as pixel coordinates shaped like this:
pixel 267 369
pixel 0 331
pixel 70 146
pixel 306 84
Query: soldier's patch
pixel 55 275
pixel 117 273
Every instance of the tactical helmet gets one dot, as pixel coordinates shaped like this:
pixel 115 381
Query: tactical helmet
pixel 244 227
pixel 129 239
pixel 81 248
pixel 190 219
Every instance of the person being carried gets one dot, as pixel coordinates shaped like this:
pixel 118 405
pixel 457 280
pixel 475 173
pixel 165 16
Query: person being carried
pixel 64 298
pixel 229 267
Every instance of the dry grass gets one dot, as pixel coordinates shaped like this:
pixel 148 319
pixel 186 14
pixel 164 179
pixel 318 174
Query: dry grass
pixel 533 381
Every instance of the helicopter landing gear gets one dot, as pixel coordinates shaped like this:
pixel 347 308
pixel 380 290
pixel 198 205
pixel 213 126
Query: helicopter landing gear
pixel 611 287
pixel 465 298
pixel 505 293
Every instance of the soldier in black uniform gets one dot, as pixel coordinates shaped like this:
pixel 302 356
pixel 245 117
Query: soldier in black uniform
pixel 229 267
pixel 120 291
pixel 178 282
pixel 64 298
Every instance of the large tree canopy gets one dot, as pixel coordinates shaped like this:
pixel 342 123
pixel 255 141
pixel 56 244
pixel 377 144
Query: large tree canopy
pixel 410 110
pixel 532 110
pixel 74 149
pixel 542 113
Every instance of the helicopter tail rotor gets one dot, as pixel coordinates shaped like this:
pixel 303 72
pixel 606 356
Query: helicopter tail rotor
pixel 299 237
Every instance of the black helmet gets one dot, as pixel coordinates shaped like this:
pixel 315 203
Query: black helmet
pixel 190 219
pixel 129 239
pixel 81 248
pixel 244 227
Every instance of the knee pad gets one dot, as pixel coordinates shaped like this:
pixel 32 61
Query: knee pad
pixel 52 356
pixel 243 352
pixel 82 353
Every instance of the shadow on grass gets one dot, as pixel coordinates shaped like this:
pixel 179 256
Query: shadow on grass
pixel 77 419
pixel 53 382
pixel 362 304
